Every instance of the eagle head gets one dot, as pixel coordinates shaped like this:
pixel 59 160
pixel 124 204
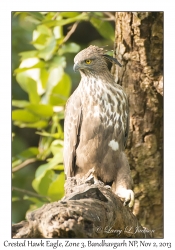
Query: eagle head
pixel 92 60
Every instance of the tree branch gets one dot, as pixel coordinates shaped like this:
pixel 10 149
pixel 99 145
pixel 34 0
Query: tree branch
pixel 23 164
pixel 30 193
pixel 87 211
pixel 71 31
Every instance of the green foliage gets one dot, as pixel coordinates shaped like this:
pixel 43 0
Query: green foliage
pixel 104 28
pixel 24 155
pixel 41 75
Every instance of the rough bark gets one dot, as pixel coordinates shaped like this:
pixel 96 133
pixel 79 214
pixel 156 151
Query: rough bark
pixel 139 48
pixel 87 211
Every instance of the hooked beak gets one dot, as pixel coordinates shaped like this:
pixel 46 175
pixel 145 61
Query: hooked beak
pixel 76 67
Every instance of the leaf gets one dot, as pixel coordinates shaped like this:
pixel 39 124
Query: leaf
pixel 40 42
pixel 57 159
pixel 57 148
pixel 20 103
pixel 28 54
pixel 97 13
pixel 28 153
pixel 103 27
pixel 58 61
pixel 60 131
pixel 55 75
pixel 16 162
pixel 61 91
pixel 60 115
pixel 42 169
pixel 42 29
pixel 36 15
pixel 29 85
pixel 37 65
pixel 44 133
pixel 69 48
pixel 40 36
pixel 44 41
pixel 31 152
pixel 47 52
pixel 56 188
pixel 51 23
pixel 44 77
pixel 38 125
pixel 32 199
pixel 41 110
pixel 58 32
pixel 59 167
pixel 50 184
pixel 69 14
pixel 24 116
pixel 15 199
pixel 41 184
pixel 36 203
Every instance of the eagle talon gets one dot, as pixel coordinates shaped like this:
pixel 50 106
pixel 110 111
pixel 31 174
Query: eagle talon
pixel 107 187
pixel 90 179
pixel 127 195
pixel 125 203
pixel 93 180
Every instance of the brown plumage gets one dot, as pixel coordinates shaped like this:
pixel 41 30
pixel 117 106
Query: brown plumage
pixel 96 125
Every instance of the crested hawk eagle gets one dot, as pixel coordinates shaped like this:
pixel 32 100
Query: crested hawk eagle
pixel 96 125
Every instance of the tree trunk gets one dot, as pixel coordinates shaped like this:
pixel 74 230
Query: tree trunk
pixel 139 48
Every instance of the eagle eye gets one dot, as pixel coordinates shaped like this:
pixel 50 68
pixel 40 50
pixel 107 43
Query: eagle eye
pixel 88 61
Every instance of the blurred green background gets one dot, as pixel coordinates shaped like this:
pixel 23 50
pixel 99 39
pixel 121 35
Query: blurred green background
pixel 43 47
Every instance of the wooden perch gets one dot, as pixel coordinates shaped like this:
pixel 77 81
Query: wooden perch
pixel 87 211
